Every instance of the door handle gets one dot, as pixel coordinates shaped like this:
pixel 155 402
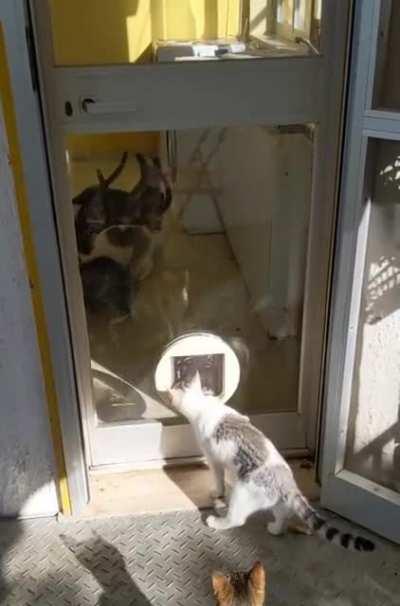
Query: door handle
pixel 90 105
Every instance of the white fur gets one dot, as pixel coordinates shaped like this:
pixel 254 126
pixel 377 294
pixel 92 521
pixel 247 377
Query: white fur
pixel 104 248
pixel 262 478
pixel 205 413
pixel 140 265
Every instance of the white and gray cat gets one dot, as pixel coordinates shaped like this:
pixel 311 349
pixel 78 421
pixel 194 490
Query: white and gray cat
pixel 262 478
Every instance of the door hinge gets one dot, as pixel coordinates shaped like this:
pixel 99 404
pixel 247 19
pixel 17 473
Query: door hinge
pixel 32 57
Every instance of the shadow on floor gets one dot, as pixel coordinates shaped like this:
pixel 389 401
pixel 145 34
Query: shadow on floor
pixel 194 481
pixel 108 567
pixel 10 532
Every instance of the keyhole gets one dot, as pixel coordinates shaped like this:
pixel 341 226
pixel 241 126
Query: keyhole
pixel 68 108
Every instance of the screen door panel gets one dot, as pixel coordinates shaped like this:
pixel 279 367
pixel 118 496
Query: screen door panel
pixel 361 457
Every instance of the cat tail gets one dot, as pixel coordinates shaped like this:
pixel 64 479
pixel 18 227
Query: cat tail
pixel 106 181
pixel 326 530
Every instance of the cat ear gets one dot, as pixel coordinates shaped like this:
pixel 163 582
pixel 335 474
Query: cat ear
pixel 95 211
pixel 138 189
pixel 220 584
pixel 174 397
pixel 101 179
pixel 196 382
pixel 167 197
pixel 151 172
pixel 142 166
pixel 257 578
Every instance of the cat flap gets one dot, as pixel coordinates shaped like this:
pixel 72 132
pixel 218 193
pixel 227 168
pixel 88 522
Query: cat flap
pixel 205 353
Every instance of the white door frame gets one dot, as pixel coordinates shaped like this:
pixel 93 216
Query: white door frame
pixel 322 80
pixel 345 492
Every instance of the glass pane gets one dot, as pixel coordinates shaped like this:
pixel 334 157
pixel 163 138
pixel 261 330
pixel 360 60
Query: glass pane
pixel 227 255
pixel 143 31
pixel 373 447
pixel 387 82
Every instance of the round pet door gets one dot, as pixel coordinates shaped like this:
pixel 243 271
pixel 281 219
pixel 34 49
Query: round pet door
pixel 206 353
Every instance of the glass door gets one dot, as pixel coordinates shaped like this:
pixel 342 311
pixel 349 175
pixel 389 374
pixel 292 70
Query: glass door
pixel 361 463
pixel 240 104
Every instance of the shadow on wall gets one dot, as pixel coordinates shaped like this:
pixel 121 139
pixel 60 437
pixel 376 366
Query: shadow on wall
pixel 373 446
pixel 124 31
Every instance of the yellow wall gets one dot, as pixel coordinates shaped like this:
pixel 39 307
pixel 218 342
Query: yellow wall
pixel 84 146
pixel 93 32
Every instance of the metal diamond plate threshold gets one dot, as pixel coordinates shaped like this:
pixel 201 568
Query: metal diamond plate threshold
pixel 167 559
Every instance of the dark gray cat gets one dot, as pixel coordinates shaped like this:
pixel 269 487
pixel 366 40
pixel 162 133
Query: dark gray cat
pixel 108 287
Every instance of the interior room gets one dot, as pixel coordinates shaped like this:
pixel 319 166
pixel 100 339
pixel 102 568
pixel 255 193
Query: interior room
pixel 227 256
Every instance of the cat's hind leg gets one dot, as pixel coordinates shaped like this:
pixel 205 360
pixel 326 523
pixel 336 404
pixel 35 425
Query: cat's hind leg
pixel 242 504
pixel 218 473
pixel 219 478
pixel 282 516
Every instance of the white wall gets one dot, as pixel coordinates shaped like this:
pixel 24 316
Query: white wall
pixel 260 180
pixel 265 179
pixel 26 462
pixel 374 440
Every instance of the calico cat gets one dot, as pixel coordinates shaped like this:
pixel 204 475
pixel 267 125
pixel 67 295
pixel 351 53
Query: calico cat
pixel 100 206
pixel 240 588
pixel 263 479
pixel 108 287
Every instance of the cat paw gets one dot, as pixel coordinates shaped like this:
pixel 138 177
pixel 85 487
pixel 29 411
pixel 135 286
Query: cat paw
pixel 275 529
pixel 300 529
pixel 212 522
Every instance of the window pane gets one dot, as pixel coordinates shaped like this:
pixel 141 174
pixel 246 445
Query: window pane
pixel 373 448
pixel 145 31
pixel 227 255
pixel 387 81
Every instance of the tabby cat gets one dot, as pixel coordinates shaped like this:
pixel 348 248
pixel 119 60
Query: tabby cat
pixel 240 588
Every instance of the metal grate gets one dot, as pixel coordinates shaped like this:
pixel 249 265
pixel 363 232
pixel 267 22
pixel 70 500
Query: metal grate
pixel 167 559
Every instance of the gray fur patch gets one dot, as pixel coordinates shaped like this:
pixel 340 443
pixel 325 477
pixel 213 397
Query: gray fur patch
pixel 251 452
pixel 277 482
